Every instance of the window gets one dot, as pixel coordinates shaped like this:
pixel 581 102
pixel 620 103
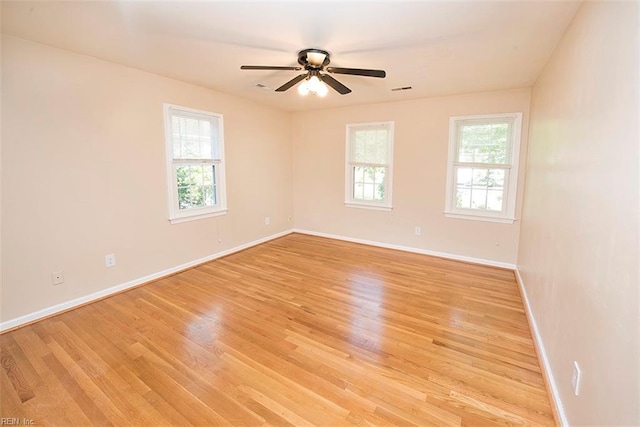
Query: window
pixel 483 167
pixel 195 163
pixel 368 166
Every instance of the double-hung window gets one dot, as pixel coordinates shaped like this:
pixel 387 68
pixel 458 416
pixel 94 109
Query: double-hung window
pixel 369 165
pixel 483 167
pixel 195 163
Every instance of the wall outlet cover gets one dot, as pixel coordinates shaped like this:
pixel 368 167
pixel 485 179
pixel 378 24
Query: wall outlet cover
pixel 110 260
pixel 57 277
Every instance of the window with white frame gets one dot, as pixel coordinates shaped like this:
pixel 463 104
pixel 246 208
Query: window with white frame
pixel 195 163
pixel 369 161
pixel 483 167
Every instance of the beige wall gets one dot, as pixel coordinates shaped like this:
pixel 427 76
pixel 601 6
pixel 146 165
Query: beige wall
pixel 579 239
pixel 419 178
pixel 83 175
pixel 1 294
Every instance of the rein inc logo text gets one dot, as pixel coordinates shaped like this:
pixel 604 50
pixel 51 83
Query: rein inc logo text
pixel 5 421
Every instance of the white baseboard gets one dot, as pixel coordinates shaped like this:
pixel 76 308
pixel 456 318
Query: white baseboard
pixel 409 249
pixel 542 353
pixel 67 305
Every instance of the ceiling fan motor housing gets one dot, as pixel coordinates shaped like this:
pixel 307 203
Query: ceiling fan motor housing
pixel 313 58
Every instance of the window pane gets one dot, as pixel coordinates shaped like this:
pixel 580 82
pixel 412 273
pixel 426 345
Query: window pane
pixel 368 191
pixel 466 154
pixel 463 198
pixel 196 186
pixel 494 200
pixel 205 139
pixel 209 194
pixel 496 178
pixel 380 174
pixel 484 143
pixel 478 198
pixel 464 176
pixel 358 174
pixel 177 124
pixel 479 177
pixel 191 148
pixel 358 191
pixel 369 175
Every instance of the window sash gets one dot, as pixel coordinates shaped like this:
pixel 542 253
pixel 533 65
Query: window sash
pixel 487 190
pixel 361 188
pixel 184 139
pixel 214 185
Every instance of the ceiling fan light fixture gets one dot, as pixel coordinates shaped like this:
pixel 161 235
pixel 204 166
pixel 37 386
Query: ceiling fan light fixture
pixel 303 88
pixel 322 90
pixel 313 85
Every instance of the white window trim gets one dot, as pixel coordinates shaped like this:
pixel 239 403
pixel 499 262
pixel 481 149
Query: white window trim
pixel 511 184
pixel 350 202
pixel 175 216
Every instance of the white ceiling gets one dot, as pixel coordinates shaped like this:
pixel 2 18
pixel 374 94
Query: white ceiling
pixel 437 47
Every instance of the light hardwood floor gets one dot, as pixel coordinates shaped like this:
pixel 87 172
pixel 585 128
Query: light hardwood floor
pixel 297 331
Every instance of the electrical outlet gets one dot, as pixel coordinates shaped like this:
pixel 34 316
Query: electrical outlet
pixel 575 378
pixel 110 260
pixel 57 277
pixel 418 231
pixel 267 220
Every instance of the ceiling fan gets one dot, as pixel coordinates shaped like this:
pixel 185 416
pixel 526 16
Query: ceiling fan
pixel 315 63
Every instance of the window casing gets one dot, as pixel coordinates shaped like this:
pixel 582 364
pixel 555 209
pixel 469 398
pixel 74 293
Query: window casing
pixel 369 165
pixel 195 163
pixel 482 177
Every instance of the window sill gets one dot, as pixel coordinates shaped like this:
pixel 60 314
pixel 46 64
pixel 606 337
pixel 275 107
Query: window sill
pixel 372 207
pixel 480 218
pixel 196 217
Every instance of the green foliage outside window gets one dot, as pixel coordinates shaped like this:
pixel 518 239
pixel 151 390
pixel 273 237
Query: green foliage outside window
pixel 196 187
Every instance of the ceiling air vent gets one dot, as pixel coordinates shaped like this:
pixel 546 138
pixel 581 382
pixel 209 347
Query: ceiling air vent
pixel 397 89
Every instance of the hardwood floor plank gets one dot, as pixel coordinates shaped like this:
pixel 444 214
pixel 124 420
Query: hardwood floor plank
pixel 8 354
pixel 300 330
pixel 10 402
pixel 189 406
pixel 79 396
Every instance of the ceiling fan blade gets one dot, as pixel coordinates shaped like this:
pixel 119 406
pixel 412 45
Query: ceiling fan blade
pixel 339 87
pixel 357 72
pixel 268 67
pixel 291 83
